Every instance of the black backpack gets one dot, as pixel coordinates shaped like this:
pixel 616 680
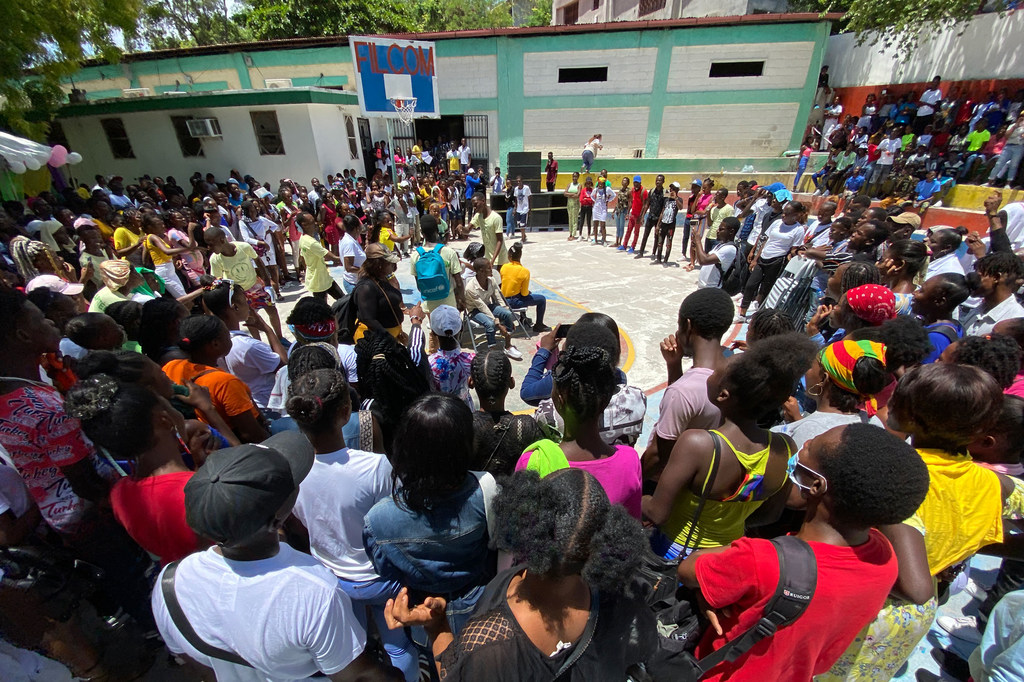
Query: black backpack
pixel 681 625
pixel 344 311
pixel 730 280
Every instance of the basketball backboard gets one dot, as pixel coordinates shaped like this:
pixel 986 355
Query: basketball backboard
pixel 388 69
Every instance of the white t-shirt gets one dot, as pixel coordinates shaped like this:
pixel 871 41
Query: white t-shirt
pixel 1015 225
pixel 930 99
pixel 464 155
pixel 255 363
pixel 333 501
pixel 523 199
pixel 286 615
pixel 820 235
pixel 14 495
pixel 348 246
pixel 709 274
pixel 887 150
pixel 279 394
pixel 782 238
pixel 760 209
pixel 948 264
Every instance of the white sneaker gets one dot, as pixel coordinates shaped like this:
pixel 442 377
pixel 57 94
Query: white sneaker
pixel 975 590
pixel 739 319
pixel 752 309
pixel 513 353
pixel 964 628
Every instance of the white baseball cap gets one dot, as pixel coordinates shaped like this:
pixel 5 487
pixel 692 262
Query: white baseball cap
pixel 54 283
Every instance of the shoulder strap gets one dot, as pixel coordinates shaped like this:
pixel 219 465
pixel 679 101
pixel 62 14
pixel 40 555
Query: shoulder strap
pixel 185 628
pixel 947 330
pixel 489 488
pixel 419 250
pixel 365 431
pixel 585 638
pixel 798 577
pixel 705 490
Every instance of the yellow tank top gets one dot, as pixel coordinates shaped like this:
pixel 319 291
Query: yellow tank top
pixel 963 510
pixel 158 256
pixel 722 521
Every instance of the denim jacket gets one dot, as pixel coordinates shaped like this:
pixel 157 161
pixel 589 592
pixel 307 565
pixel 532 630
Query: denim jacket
pixel 442 552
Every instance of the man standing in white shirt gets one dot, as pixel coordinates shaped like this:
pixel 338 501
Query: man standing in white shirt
pixel 251 607
pixel 522 194
pixel 999 273
pixel 465 156
pixel 887 151
pixel 926 106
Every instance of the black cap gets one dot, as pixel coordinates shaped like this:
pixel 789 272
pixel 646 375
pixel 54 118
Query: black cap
pixel 237 491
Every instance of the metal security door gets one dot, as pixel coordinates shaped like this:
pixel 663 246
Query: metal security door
pixel 366 142
pixel 474 129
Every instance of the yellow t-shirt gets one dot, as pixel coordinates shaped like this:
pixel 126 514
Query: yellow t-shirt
pixel 385 238
pixel 106 230
pixel 158 256
pixel 317 277
pixel 963 510
pixel 515 280
pixel 238 267
pixel 453 162
pixel 123 238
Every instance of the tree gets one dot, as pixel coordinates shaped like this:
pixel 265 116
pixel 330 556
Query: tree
pixel 182 23
pixel 272 19
pixel 896 25
pixel 462 15
pixel 45 40
pixel 540 15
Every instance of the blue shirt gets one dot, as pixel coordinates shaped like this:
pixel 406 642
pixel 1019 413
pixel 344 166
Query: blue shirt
pixel 855 183
pixel 926 189
pixel 471 185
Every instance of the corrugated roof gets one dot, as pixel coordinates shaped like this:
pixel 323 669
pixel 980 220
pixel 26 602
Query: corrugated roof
pixel 613 26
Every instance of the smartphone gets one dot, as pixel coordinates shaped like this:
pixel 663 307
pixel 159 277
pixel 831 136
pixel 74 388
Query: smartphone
pixel 563 331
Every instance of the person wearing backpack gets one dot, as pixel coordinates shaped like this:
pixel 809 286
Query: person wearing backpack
pixel 934 304
pixel 849 480
pixel 438 269
pixel 718 266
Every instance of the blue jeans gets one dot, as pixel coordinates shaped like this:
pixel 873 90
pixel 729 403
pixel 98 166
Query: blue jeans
pixel 588 159
pixel 530 300
pixel 1008 163
pixel 510 220
pixel 620 225
pixel 374 594
pixel 504 316
pixel 801 167
pixel 349 288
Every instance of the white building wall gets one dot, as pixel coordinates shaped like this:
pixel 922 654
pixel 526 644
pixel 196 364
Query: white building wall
pixel 624 128
pixel 157 151
pixel 330 138
pixel 629 71
pixel 462 77
pixel 734 130
pixel 785 66
pixel 987 47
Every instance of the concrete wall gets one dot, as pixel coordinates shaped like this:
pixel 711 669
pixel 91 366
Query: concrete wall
pixel 987 47
pixel 629 10
pixel 623 129
pixel 710 131
pixel 459 77
pixel 313 135
pixel 630 70
pixel 785 66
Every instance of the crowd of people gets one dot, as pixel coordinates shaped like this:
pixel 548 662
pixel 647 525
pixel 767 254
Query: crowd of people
pixel 916 146
pixel 344 492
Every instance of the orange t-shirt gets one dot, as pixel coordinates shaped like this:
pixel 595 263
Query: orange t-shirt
pixel 230 395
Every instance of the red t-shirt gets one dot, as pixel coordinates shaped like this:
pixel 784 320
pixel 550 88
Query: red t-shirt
pixel 638 202
pixel 853 583
pixel 152 510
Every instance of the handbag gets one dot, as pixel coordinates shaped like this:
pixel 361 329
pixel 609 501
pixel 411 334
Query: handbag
pixel 791 292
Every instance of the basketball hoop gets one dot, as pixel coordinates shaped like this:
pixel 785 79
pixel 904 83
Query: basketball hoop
pixel 405 106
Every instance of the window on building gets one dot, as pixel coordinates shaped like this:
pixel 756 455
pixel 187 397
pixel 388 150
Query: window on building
pixel 268 133
pixel 570 13
pixel 353 142
pixel 736 69
pixel 583 74
pixel 597 3
pixel 648 6
pixel 190 146
pixel 117 138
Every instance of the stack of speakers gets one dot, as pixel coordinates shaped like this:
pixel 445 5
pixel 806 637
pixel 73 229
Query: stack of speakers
pixel 527 165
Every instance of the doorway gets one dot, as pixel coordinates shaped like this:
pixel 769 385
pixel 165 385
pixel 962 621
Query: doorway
pixel 366 142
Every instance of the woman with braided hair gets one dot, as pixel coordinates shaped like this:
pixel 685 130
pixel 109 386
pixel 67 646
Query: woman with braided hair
pixel 584 381
pixel 341 488
pixel 389 379
pixel 499 435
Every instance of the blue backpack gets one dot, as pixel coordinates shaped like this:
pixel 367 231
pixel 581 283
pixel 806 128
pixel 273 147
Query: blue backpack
pixel 432 277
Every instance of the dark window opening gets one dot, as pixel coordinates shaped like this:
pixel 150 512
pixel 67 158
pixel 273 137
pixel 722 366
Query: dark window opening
pixel 268 133
pixel 597 4
pixel 570 13
pixel 648 6
pixel 583 74
pixel 117 138
pixel 190 146
pixel 736 69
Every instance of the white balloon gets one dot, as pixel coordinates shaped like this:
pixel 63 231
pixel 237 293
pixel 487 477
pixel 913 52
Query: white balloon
pixel 16 166
pixel 32 164
pixel 74 158
pixel 42 156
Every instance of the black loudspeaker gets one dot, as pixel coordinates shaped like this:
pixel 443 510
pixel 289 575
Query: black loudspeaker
pixel 524 159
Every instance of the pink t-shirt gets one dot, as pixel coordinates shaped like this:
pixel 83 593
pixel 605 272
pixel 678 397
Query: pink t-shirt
pixel 618 474
pixel 1017 387
pixel 685 405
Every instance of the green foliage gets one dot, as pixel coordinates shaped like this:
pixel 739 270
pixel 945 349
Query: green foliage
pixel 897 25
pixel 44 41
pixel 184 23
pixel 540 15
pixel 272 19
pixel 461 15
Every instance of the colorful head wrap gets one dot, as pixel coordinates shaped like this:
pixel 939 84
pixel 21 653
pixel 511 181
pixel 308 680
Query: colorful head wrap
pixel 838 360
pixel 317 331
pixel 115 273
pixel 872 303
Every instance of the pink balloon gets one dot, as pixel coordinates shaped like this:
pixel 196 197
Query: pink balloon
pixel 59 156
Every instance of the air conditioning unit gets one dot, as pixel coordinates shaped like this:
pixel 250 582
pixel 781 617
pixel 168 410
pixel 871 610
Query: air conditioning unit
pixel 136 92
pixel 204 127
pixel 175 92
pixel 277 83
